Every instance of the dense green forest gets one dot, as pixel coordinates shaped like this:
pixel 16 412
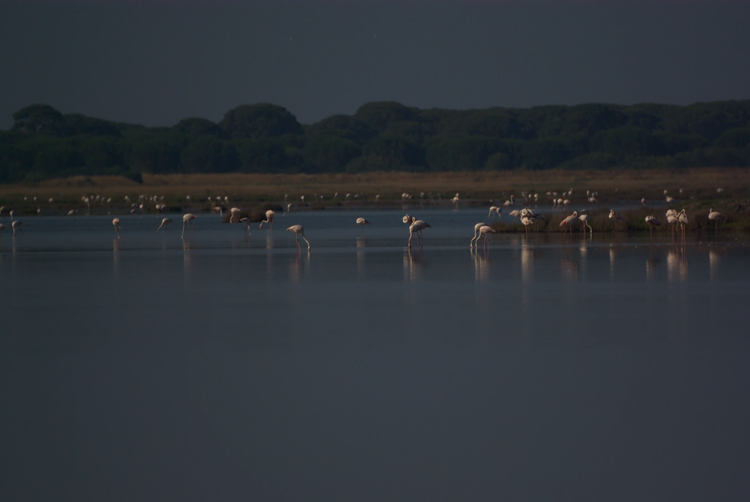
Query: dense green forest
pixel 382 136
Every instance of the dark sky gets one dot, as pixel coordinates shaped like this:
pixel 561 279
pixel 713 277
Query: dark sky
pixel 155 64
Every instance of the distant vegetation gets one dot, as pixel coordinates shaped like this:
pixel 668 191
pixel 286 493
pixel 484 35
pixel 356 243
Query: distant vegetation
pixel 383 136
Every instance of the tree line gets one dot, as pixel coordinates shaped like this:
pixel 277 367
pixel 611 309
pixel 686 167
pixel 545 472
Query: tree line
pixel 382 136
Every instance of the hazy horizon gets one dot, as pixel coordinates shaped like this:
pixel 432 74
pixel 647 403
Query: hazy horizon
pixel 155 64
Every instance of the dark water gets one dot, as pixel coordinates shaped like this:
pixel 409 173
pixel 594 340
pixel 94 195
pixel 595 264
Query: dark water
pixel 230 368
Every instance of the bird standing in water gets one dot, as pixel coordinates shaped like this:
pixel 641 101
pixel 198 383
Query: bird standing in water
pixel 298 230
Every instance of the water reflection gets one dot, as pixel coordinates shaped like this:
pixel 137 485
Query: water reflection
pixel 527 264
pixel 568 266
pixel 714 262
pixel 412 262
pixel 481 265
pixel 651 264
pixel 677 265
pixel 299 268
pixel 361 244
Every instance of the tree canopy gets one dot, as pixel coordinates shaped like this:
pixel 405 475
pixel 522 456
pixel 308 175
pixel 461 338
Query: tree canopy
pixel 45 143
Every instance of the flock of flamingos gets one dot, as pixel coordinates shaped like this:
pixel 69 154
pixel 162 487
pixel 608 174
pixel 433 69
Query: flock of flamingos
pixel 527 216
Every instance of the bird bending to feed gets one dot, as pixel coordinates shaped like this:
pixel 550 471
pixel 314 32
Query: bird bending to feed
pixel 15 226
pixel 362 222
pixel 269 219
pixel 298 230
pixel 527 221
pixel 415 226
pixel 497 210
pixel 164 223
pixel 476 233
pixel 187 221
pixel 246 222
pixel 116 224
pixel 584 219
pixel 516 213
pixel 652 222
pixel 483 231
pixel 716 216
pixel 568 223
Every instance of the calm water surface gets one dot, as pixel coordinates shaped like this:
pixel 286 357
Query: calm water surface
pixel 225 367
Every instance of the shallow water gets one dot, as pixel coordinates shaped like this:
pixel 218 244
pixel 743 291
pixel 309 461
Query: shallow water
pixel 225 367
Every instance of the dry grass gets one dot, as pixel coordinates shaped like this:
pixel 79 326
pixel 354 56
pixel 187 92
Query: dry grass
pixel 250 190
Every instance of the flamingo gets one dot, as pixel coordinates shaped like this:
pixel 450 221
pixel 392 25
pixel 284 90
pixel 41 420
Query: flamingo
pixel 568 223
pixel 234 215
pixel 515 214
pixel 362 222
pixel 476 233
pixel 683 219
pixel 672 220
pixel 483 231
pixel 497 210
pixel 164 223
pixel 584 218
pixel 652 222
pixel 116 224
pixel 415 226
pixel 298 230
pixel 246 222
pixel 712 215
pixel 615 217
pixel 269 219
pixel 455 200
pixel 187 221
pixel 15 226
pixel 527 221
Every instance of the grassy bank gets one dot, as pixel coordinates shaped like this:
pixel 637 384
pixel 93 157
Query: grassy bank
pixel 251 191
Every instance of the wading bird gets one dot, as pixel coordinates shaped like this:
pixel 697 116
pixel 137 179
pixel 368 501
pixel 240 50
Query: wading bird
pixel 269 219
pixel 476 233
pixel 415 226
pixel 615 218
pixel 234 215
pixel 584 219
pixel 187 221
pixel 716 216
pixel 483 231
pixel 246 221
pixel 298 230
pixel 362 222
pixel 497 210
pixel 652 222
pixel 116 224
pixel 164 223
pixel 568 223
pixel 683 219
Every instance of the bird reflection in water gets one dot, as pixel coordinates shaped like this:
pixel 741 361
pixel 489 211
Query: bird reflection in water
pixel 568 266
pixel 299 268
pixel 361 245
pixel 527 264
pixel 651 263
pixel 269 240
pixel 187 247
pixel 481 265
pixel 677 265
pixel 714 262
pixel 116 256
pixel 412 265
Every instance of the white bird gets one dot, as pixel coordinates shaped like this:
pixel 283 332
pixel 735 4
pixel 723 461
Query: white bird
pixel 269 219
pixel 497 210
pixel 246 222
pixel 164 223
pixel 415 226
pixel 298 230
pixel 483 231
pixel 187 221
pixel 116 224
pixel 683 219
pixel 476 233
pixel 584 219
pixel 652 222
pixel 716 216
pixel 234 215
pixel 527 222
pixel 615 218
pixel 362 222
pixel 568 223
pixel 516 213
